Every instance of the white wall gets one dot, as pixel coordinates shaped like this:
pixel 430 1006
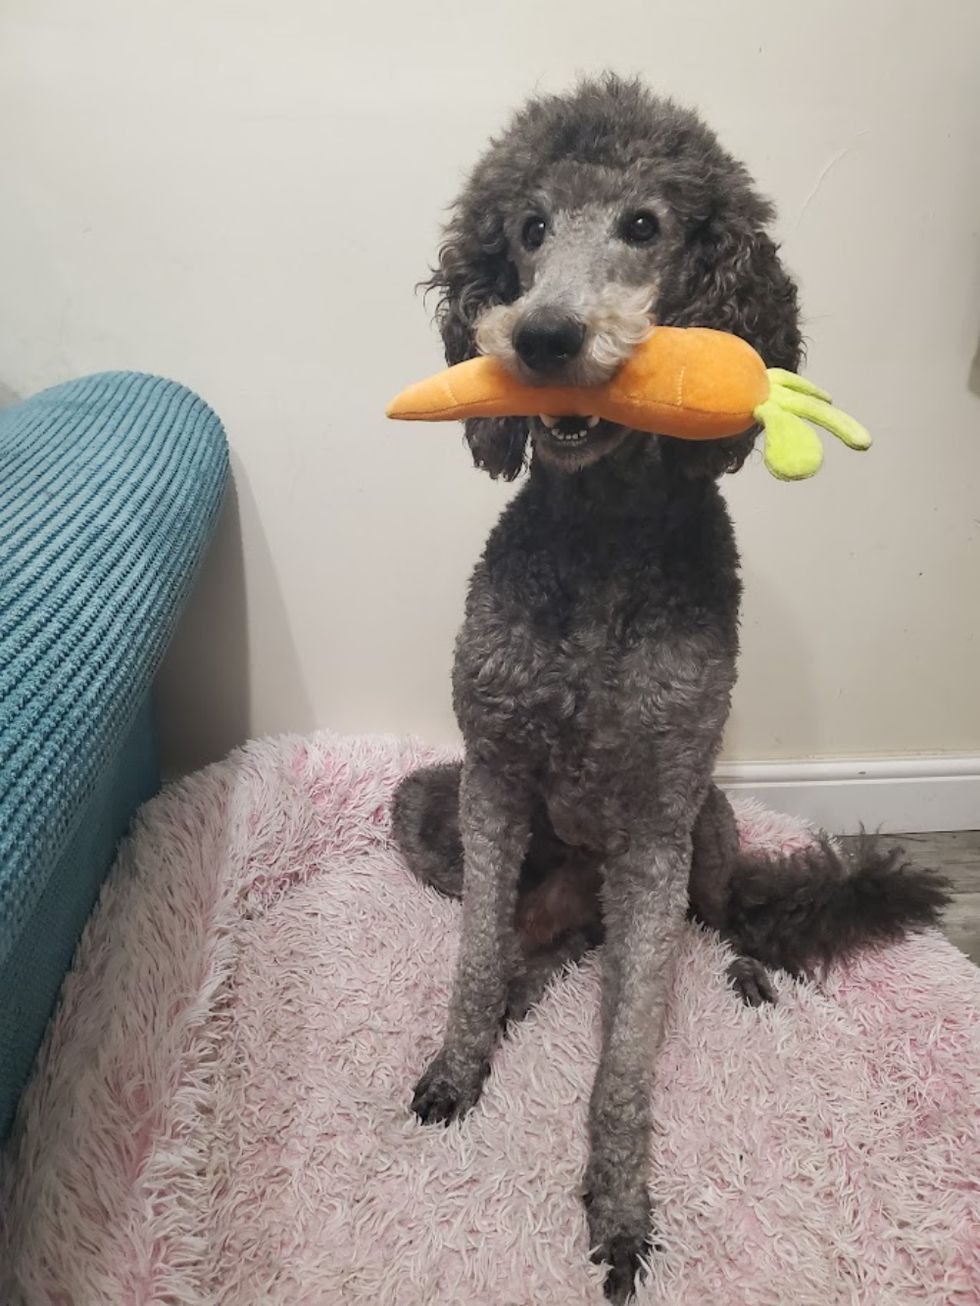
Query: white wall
pixel 241 194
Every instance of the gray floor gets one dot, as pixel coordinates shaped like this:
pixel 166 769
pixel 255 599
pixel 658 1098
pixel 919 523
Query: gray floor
pixel 956 855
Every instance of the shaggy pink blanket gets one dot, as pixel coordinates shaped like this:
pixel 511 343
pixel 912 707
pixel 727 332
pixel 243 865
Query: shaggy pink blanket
pixel 219 1114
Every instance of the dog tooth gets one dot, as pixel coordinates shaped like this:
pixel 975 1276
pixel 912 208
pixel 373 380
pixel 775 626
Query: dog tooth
pixel 548 420
pixel 592 421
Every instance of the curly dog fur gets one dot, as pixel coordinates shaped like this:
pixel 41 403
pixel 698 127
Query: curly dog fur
pixel 595 664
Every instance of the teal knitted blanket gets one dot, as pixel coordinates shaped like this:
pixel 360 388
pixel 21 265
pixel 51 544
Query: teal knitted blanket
pixel 109 491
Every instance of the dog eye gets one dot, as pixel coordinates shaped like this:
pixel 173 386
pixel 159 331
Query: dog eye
pixel 532 234
pixel 640 228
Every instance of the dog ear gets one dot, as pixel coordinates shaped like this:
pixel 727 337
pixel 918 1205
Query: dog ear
pixel 730 278
pixel 473 274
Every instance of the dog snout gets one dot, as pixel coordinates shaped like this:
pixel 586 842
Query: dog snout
pixel 547 339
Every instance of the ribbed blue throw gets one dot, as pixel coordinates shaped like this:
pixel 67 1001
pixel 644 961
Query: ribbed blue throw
pixel 110 487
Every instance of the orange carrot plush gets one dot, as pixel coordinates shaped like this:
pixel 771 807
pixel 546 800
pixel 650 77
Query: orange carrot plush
pixel 687 382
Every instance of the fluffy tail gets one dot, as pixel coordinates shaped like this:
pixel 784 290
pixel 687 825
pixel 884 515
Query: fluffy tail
pixel 804 912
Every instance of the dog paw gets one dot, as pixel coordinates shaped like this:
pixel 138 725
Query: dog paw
pixel 625 1255
pixel 444 1094
pixel 522 994
pixel 750 980
pixel 624 1246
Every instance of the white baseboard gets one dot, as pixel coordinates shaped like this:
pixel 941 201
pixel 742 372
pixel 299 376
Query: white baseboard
pixel 900 795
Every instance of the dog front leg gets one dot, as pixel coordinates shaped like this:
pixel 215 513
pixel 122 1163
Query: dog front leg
pixel 495 828
pixel 644 905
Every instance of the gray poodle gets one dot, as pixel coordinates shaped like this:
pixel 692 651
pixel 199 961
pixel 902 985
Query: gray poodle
pixel 596 661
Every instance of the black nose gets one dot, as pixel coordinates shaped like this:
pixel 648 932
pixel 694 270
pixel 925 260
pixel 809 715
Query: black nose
pixel 547 339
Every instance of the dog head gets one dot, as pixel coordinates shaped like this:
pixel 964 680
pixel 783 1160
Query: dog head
pixel 594 216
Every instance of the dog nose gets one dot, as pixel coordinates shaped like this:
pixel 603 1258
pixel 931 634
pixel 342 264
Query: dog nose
pixel 547 339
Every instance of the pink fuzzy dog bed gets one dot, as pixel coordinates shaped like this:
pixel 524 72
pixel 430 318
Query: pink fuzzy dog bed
pixel 220 1111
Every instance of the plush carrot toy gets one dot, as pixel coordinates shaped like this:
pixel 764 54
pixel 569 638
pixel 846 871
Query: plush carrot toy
pixel 687 382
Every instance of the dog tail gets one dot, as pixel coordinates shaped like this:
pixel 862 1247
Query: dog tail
pixel 803 912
